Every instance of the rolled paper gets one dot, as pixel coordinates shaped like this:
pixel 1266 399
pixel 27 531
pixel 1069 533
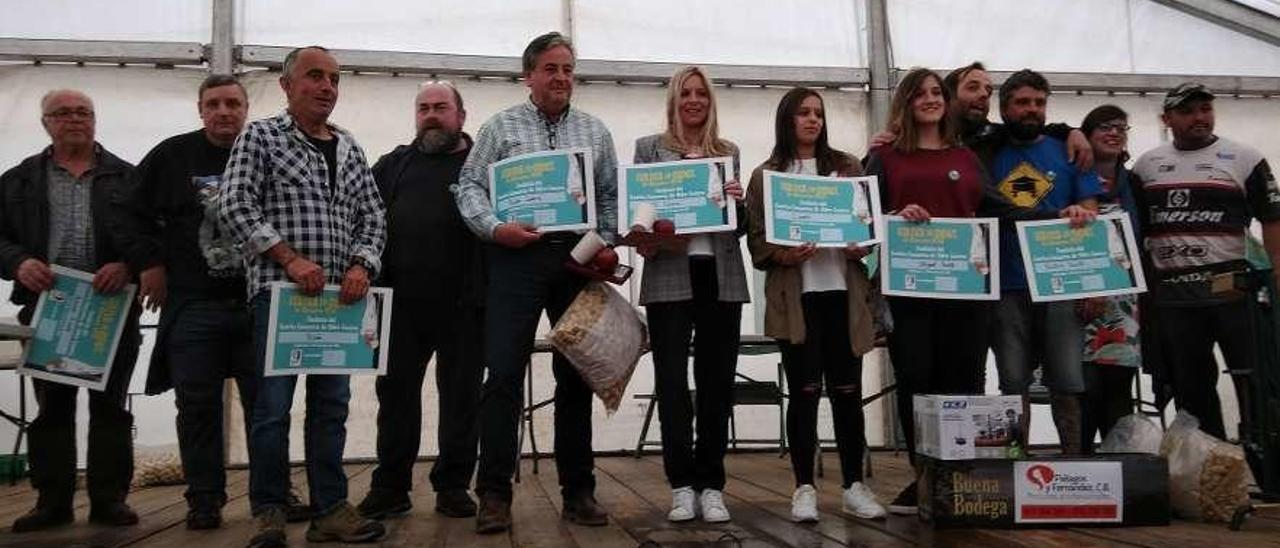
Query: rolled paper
pixel 978 251
pixel 1115 245
pixel 590 244
pixel 715 188
pixel 643 214
pixel 574 185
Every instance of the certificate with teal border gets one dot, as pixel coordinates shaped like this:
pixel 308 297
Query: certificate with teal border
pixel 1095 260
pixel 77 331
pixel 552 190
pixel 318 335
pixel 825 211
pixel 688 192
pixel 944 258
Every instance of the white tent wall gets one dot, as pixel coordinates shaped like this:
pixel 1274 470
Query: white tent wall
pixel 439 26
pixel 788 32
pixel 145 20
pixel 1108 36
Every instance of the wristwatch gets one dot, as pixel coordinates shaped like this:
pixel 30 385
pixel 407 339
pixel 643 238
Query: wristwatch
pixel 362 262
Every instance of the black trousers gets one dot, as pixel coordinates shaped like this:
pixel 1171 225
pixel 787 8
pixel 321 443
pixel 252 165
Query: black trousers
pixel 453 333
pixel 522 283
pixel 1188 335
pixel 1108 397
pixel 209 341
pixel 52 435
pixel 937 347
pixel 826 354
pixel 715 328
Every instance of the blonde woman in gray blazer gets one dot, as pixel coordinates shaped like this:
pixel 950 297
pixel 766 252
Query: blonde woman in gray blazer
pixel 693 288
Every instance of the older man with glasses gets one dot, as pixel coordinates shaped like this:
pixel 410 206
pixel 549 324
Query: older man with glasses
pixel 56 207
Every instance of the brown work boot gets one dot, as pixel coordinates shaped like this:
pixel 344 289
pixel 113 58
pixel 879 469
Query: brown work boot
pixel 344 524
pixel 1067 418
pixel 271 522
pixel 494 515
pixel 583 509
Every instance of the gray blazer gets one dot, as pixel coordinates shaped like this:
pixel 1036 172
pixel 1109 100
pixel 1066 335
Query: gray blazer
pixel 666 275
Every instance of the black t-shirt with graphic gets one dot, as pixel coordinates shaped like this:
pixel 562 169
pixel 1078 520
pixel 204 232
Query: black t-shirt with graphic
pixel 174 206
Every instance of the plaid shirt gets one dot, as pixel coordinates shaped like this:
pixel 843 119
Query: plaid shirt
pixel 276 189
pixel 522 129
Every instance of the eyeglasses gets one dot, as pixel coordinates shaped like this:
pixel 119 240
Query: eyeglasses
pixel 1118 127
pixel 68 113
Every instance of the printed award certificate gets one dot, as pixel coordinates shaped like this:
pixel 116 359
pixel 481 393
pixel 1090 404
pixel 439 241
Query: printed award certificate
pixel 320 336
pixel 1095 260
pixel 77 331
pixel 688 192
pixel 945 258
pixel 825 211
pixel 552 190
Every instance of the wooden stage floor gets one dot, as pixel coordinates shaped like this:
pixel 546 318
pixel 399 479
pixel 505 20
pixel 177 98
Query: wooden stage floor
pixel 635 492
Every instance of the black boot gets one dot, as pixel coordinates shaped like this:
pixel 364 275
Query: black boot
pixel 583 509
pixel 383 504
pixel 41 518
pixel 455 503
pixel 494 515
pixel 112 513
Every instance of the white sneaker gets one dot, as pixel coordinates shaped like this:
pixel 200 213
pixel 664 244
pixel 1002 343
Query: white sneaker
pixel 804 504
pixel 682 504
pixel 712 503
pixel 861 502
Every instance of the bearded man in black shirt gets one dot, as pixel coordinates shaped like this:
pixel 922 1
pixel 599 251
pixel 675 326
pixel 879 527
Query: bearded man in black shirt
pixel 435 265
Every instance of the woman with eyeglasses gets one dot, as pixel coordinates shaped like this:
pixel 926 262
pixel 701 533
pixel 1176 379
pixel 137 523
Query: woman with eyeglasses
pixel 937 346
pixel 1112 352
pixel 693 288
pixel 816 306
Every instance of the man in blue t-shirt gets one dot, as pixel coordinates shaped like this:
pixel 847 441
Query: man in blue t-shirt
pixel 1033 170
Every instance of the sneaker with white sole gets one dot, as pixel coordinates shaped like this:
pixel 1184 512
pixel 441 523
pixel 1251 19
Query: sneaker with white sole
pixel 804 504
pixel 712 503
pixel 682 504
pixel 905 503
pixel 861 502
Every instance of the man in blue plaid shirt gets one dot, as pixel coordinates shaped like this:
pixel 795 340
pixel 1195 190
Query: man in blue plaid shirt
pixel 300 199
pixel 527 275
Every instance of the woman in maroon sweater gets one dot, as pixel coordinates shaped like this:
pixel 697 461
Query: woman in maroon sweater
pixel 937 346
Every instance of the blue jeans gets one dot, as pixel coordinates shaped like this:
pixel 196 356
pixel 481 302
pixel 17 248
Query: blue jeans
pixel 324 438
pixel 1027 334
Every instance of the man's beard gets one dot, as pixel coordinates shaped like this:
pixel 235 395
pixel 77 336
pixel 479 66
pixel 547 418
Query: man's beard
pixel 434 140
pixel 1024 130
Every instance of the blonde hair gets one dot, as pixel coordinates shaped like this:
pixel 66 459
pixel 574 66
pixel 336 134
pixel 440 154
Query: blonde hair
pixel 674 138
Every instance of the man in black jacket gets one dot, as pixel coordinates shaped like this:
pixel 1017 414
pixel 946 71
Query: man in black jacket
pixel 191 271
pixel 434 264
pixel 56 207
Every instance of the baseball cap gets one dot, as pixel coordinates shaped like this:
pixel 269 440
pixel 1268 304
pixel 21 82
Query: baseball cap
pixel 1186 91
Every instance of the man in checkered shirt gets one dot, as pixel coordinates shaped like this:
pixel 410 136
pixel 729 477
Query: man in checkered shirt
pixel 300 199
pixel 527 275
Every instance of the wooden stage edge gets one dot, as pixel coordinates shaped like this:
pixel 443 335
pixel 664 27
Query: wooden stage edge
pixel 757 493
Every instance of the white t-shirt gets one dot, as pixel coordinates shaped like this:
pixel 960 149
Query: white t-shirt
pixel 825 270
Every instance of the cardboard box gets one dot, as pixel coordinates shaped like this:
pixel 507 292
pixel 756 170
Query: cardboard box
pixel 967 427
pixel 1094 491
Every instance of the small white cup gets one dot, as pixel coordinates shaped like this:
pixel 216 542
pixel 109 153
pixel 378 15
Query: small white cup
pixel 643 215
pixel 590 244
